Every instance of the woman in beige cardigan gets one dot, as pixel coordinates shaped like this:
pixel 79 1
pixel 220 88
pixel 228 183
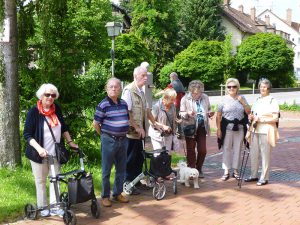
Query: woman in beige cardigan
pixel 265 114
pixel 195 109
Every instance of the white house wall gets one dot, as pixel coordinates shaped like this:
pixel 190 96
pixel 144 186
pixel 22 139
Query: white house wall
pixel 237 35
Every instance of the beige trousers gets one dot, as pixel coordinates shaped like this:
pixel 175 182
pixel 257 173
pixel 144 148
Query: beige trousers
pixel 260 145
pixel 40 172
pixel 232 149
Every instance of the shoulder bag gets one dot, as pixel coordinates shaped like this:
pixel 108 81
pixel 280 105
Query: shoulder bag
pixel 62 154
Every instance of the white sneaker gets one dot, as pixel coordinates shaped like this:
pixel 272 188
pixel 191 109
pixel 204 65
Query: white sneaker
pixel 45 213
pixel 57 212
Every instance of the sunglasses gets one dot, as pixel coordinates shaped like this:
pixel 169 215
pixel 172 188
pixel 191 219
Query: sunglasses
pixel 234 87
pixel 48 95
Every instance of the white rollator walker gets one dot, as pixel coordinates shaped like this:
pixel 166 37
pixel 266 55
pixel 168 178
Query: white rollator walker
pixel 160 170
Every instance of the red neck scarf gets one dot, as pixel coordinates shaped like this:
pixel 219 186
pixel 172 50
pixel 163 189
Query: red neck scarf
pixel 50 113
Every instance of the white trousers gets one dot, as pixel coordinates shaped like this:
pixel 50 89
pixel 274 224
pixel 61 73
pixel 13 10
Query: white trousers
pixel 260 145
pixel 40 172
pixel 232 149
pixel 168 140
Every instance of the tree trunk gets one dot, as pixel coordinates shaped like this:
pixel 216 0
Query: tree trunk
pixel 10 154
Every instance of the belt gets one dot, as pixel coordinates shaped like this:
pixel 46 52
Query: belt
pixel 117 138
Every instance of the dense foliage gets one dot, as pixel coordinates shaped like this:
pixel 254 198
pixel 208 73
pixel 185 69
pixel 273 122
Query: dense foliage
pixel 200 19
pixel 2 15
pixel 155 22
pixel 130 51
pixel 59 41
pixel 202 60
pixel 267 55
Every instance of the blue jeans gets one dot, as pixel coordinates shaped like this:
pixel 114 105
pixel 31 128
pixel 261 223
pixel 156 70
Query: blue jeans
pixel 113 152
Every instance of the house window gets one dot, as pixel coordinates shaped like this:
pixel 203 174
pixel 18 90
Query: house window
pixel 299 40
pixel 298 55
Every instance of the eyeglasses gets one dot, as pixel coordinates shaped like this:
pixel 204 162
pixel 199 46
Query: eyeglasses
pixel 234 87
pixel 48 95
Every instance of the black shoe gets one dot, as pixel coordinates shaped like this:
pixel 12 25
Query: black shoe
pixel 262 182
pixel 250 179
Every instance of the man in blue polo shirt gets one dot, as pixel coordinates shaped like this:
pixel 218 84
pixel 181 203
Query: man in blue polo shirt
pixel 111 121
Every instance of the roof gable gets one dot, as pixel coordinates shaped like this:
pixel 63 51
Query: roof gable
pixel 242 20
pixel 294 25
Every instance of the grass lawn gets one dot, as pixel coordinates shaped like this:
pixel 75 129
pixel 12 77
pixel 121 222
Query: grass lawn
pixel 18 188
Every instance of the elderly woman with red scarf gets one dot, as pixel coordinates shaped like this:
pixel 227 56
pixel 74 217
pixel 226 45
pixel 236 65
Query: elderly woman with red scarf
pixel 40 142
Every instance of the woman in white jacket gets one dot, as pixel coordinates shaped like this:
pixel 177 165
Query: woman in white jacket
pixel 265 114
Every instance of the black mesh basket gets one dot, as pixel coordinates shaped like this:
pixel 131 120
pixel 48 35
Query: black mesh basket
pixel 81 189
pixel 160 165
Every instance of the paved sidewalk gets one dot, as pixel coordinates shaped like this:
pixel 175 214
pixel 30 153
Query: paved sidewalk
pixel 216 202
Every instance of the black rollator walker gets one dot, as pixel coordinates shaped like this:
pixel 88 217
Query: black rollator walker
pixel 80 189
pixel 160 169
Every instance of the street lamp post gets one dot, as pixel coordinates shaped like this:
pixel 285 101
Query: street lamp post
pixel 113 30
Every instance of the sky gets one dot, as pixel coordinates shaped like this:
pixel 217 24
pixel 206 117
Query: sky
pixel 278 7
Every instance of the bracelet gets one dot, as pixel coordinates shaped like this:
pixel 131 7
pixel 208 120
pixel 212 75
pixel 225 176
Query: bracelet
pixel 69 142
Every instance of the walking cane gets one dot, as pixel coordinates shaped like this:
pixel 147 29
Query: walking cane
pixel 247 142
pixel 244 164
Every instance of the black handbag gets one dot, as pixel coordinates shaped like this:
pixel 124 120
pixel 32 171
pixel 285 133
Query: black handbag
pixel 189 130
pixel 62 154
pixel 81 189
pixel 160 165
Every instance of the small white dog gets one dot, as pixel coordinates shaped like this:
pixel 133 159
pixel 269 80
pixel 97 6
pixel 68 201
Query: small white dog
pixel 186 173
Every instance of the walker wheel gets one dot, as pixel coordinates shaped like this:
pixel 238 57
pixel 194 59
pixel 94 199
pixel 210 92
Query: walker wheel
pixel 174 185
pixel 64 197
pixel 69 217
pixel 95 208
pixel 159 191
pixel 30 211
pixel 126 188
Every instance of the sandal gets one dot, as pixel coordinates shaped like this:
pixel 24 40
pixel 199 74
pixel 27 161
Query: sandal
pixel 225 177
pixel 236 176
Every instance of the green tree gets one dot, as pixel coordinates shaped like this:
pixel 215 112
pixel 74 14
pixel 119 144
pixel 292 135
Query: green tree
pixel 60 40
pixel 267 55
pixel 155 22
pixel 202 60
pixel 130 51
pixel 200 19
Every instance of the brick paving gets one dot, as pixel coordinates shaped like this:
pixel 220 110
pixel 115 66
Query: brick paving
pixel 216 202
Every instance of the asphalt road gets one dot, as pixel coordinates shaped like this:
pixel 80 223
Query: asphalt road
pixel 282 97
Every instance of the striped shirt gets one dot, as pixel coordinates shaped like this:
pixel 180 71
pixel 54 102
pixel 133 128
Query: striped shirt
pixel 113 118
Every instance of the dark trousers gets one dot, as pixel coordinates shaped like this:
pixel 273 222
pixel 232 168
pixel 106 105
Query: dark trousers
pixel 135 159
pixel 198 142
pixel 113 152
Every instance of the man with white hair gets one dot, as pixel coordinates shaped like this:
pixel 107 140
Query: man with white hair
pixel 134 96
pixel 148 86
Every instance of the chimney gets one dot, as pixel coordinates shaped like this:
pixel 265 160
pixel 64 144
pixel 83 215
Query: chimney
pixel 252 13
pixel 289 16
pixel 227 2
pixel 267 19
pixel 241 8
